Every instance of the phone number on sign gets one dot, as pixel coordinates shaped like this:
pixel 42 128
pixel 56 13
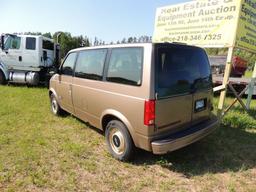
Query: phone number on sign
pixel 196 37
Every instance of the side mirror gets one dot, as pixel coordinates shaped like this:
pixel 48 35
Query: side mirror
pixel 2 42
pixel 54 71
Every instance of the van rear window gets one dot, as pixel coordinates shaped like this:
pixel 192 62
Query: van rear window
pixel 181 70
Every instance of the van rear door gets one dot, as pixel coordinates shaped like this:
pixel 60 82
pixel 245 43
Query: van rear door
pixel 182 77
pixel 201 87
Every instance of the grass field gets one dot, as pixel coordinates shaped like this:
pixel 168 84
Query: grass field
pixel 41 152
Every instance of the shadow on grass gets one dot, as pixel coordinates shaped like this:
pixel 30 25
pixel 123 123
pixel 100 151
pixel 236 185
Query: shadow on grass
pixel 228 149
pixel 88 125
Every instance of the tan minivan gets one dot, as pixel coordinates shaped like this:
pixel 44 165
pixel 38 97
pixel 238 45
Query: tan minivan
pixel 157 97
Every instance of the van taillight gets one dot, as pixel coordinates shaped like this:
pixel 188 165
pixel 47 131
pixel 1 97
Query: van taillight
pixel 149 112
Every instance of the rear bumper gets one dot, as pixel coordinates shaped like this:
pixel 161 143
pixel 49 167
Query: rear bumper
pixel 184 138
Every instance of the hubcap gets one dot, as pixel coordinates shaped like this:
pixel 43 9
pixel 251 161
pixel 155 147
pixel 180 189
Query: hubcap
pixel 54 105
pixel 116 140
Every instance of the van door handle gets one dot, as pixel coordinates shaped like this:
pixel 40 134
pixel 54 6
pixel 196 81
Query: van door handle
pixel 20 58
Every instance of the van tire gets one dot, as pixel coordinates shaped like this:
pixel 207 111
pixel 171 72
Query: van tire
pixel 2 78
pixel 55 107
pixel 119 141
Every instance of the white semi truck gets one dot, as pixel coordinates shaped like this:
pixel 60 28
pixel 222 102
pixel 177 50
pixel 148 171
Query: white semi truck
pixel 27 59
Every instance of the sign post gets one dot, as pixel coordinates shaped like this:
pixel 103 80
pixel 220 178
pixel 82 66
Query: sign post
pixel 251 88
pixel 225 81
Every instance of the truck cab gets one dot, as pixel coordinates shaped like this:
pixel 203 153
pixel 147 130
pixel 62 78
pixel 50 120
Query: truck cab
pixel 27 58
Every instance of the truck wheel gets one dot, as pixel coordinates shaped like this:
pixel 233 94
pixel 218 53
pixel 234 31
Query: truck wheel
pixel 55 107
pixel 2 78
pixel 119 141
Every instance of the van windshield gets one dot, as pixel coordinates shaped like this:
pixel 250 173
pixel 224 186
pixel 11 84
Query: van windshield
pixel 181 70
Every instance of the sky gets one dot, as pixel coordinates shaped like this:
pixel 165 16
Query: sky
pixel 108 20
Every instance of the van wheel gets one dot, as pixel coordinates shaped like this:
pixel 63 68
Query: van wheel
pixel 2 78
pixel 55 107
pixel 119 141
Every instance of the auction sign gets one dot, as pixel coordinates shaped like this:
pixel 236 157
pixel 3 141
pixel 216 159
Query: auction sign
pixel 208 23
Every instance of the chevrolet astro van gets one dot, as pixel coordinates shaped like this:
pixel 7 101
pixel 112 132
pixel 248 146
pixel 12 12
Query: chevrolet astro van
pixel 157 97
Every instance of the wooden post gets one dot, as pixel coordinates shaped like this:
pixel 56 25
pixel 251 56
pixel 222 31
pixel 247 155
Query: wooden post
pixel 236 99
pixel 225 81
pixel 251 88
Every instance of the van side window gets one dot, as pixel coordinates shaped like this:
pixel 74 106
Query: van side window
pixel 68 65
pixel 125 66
pixel 31 43
pixel 90 64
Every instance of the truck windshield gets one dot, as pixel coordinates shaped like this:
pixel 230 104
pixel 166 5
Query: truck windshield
pixel 181 70
pixel 12 42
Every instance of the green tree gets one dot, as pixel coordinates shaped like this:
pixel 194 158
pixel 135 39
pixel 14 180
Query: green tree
pixel 68 42
pixel 96 41
pixel 130 40
pixel 49 35
pixel 123 40
pixel 32 33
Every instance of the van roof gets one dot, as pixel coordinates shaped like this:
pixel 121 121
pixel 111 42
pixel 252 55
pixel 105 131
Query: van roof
pixel 125 45
pixel 112 46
